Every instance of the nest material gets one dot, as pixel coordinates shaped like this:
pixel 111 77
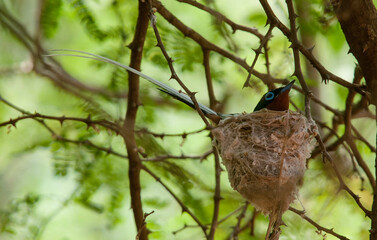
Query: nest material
pixel 265 154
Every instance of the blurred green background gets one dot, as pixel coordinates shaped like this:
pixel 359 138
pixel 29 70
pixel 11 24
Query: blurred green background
pixel 56 190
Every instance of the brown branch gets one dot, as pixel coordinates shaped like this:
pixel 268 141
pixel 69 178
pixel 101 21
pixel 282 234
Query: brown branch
pixel 358 20
pixel 128 133
pixel 40 118
pixel 348 131
pixel 207 69
pixel 340 179
pixel 258 51
pixel 217 195
pixel 203 42
pixel 236 228
pixel 88 143
pixel 296 56
pixel 362 139
pixel 316 225
pixel 49 67
pixel 163 135
pixel 174 75
pixel 230 214
pixel 325 74
pixel 37 116
pixel 179 201
pixel 144 225
pixel 179 157
pixel 249 224
pixel 219 16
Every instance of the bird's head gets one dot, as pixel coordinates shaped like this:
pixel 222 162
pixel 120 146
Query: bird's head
pixel 277 100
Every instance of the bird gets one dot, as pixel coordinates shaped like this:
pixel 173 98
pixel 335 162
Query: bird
pixel 276 100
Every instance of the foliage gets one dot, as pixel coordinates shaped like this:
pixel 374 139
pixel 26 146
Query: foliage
pixel 66 156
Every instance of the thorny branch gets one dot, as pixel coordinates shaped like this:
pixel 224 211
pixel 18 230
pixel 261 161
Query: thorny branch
pixel 316 225
pixel 56 73
pixel 177 199
pixel 128 133
pixel 172 70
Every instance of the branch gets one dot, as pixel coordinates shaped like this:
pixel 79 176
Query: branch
pixel 258 51
pixel 217 195
pixel 37 116
pixel 179 201
pixel 296 56
pixel 172 70
pixel 325 74
pixel 128 133
pixel 348 130
pixel 223 18
pixel 316 225
pixel 50 69
pixel 204 43
pixel 236 228
pixel 340 179
pixel 358 20
pixel 182 157
pixel 143 226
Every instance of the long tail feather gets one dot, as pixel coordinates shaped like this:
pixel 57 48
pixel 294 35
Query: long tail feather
pixel 163 87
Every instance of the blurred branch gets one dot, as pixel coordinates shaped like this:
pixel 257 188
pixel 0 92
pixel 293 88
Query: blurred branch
pixel 316 225
pixel 180 157
pixel 236 228
pixel 249 224
pixel 258 51
pixel 343 185
pixel 184 135
pixel 213 104
pixel 333 137
pixel 358 20
pixel 325 74
pixel 223 18
pixel 207 70
pixel 204 43
pixel 49 67
pixel 42 226
pixel 217 195
pixel 179 201
pixel 348 130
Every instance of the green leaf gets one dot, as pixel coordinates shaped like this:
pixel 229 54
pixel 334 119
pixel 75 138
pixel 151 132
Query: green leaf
pixel 50 17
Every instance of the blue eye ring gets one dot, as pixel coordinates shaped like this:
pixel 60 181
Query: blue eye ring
pixel 269 96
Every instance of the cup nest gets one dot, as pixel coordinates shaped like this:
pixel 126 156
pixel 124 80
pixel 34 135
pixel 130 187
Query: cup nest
pixel 265 155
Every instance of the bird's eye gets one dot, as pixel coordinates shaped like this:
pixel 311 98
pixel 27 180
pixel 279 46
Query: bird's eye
pixel 269 96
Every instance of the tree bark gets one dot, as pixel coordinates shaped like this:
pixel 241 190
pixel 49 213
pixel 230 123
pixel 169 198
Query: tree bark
pixel 358 20
pixel 129 124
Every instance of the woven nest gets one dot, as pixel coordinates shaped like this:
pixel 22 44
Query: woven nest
pixel 265 154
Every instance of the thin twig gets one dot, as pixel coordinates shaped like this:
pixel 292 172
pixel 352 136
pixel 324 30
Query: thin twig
pixel 222 17
pixel 174 75
pixel 316 225
pixel 176 198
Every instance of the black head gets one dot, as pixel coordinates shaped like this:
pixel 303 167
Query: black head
pixel 277 99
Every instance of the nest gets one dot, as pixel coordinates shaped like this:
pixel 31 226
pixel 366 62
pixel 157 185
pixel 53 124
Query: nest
pixel 265 154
